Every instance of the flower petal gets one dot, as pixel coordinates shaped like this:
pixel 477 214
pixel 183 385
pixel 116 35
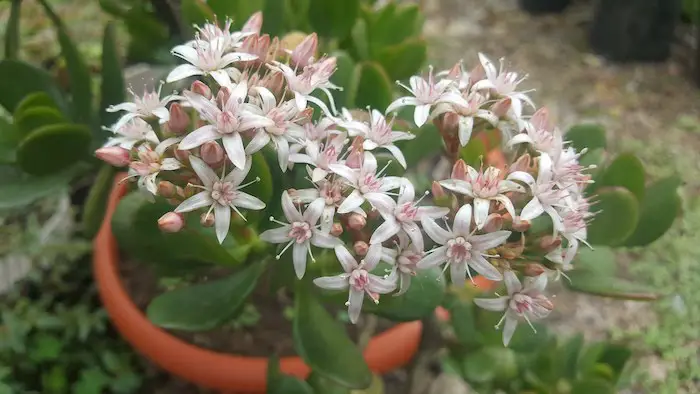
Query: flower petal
pixel 458 186
pixel 337 282
pixel 300 250
pixel 532 209
pixel 233 144
pixel 466 124
pixel 198 137
pixel 313 211
pixel 276 235
pixel 237 175
pixel 221 77
pixel 512 282
pixel 245 200
pixel 492 304
pixel 203 171
pixel 222 221
pixel 345 258
pixel 481 211
pixel 355 304
pixel 323 240
pixel 258 142
pixel 382 203
pixel 490 240
pixel 436 257
pixel 197 201
pixel 483 267
pixel 401 102
pixel 421 113
pixel 463 221
pixel 385 231
pixel 435 232
pixel 351 202
pixel 290 210
pixel 183 71
pixel 511 324
pixel 374 254
pixel 396 152
pixel 458 273
pixel 382 285
pixel 346 172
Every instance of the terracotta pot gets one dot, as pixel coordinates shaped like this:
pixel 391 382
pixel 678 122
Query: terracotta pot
pixel 229 373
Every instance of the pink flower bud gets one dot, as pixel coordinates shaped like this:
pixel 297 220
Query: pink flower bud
pixel 179 120
pixel 212 153
pixel 540 119
pixel 201 89
pixel 166 189
pixel 549 243
pixel 523 163
pixel 354 159
pixel 494 222
pixel 303 54
pixel 455 72
pixel 459 170
pixel 437 190
pixel 534 269
pixel 477 73
pixel 274 82
pixel 357 221
pixel 360 248
pixel 206 219
pixel 114 155
pixel 520 225
pixel 502 107
pixel 182 155
pixel 337 229
pixel 171 222
pixel 253 24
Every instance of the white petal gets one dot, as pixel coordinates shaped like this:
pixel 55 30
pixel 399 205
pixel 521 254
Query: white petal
pixel 407 193
pixel 510 186
pixel 258 142
pixel 512 282
pixel 484 268
pixel 489 68
pixel 327 218
pixel 183 71
pixel 300 100
pixel 252 121
pixel 481 211
pixel 374 254
pixel 458 272
pixel 435 232
pixel 276 235
pixel 401 102
pixel 170 164
pixel 420 115
pixel 203 171
pixel 511 324
pixel 221 77
pixel 436 257
pixel 345 258
pixel 186 52
pixel 346 172
pixel 338 282
pixel 299 257
pixel 466 124
pixel 391 183
pixel 282 147
pixel 522 138
pixel 201 104
pixel 544 173
pixel 313 211
pixel 233 144
pixel 381 202
pixel 161 113
pixel 351 202
pixel 492 304
pixel 222 221
pixel 197 201
pixel 289 209
pixel 458 186
pixel 318 174
pixel 506 203
pixel 523 177
pixel 382 285
pixel 198 137
pixel 431 212
pixel 385 231
pixel 355 304
pixel 396 152
pixel 489 240
pixel 237 175
pixel 532 210
pixel 463 221
pixel 245 200
pixel 323 240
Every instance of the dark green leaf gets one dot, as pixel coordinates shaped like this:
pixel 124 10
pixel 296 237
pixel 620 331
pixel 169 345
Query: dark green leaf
pixel 616 356
pixel 78 72
pixel 9 139
pixel 423 296
pixel 342 77
pixel 403 60
pixel 55 380
pixel 478 367
pixel 279 383
pixel 146 33
pixel 273 17
pixel 32 100
pixel 319 339
pixel 31 119
pixel 395 24
pixel 566 357
pixel 12 31
pixel 474 152
pixel 135 225
pixel 617 218
pixel 600 260
pixel 589 386
pixel 608 286
pixel 359 42
pixel 96 203
pixel 589 358
pixel 50 149
pixel 427 144
pixel 659 209
pixel 22 189
pixel 45 347
pixel 319 384
pixel 587 135
pixel 112 90
pixel 91 381
pixel 371 86
pixel 261 189
pixel 625 171
pixel 333 18
pixel 204 306
pixel 33 80
pixel 463 318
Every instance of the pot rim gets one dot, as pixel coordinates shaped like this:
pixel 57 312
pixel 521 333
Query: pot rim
pixel 386 351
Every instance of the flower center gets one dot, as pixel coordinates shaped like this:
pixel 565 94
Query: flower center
pixel 407 261
pixel 407 212
pixel 381 132
pixel 359 279
pixel 226 122
pixel 369 183
pixel 458 250
pixel 486 184
pixel 223 192
pixel 330 191
pixel 521 303
pixel 300 232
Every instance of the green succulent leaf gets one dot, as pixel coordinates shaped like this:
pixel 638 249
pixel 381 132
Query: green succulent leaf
pixel 96 202
pixel 567 356
pixel 342 77
pixel 371 86
pixel 616 356
pixel 12 31
pixel 113 86
pixel 598 386
pixel 601 260
pixel 333 18
pixel 33 118
pixel 52 148
pixel 9 139
pixel 405 59
pixel 147 33
pixel 478 367
pixel 279 383
pixel 321 384
pixel 463 319
pixel 426 144
pixel 394 24
pixel 205 306
pixel 261 189
pixel 32 100
pixel 78 72
pixel 274 17
pixel 587 135
pixel 21 189
pixel 625 171
pixel 658 210
pixel 617 218
pixel 423 296
pixel 33 80
pixel 608 286
pixel 358 44
pixel 319 339
pixel 474 152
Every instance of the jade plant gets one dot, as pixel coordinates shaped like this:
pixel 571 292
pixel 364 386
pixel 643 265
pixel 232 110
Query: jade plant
pixel 47 139
pixel 374 46
pixel 255 167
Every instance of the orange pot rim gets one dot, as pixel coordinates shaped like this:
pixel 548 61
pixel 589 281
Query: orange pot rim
pixel 385 352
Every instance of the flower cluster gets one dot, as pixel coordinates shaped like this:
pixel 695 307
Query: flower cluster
pixel 196 150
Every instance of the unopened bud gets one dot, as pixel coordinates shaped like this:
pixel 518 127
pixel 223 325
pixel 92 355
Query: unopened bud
pixel 206 219
pixel 201 89
pixel 182 155
pixel 437 190
pixel 534 269
pixel 549 243
pixel 336 229
pixel 502 107
pixel 274 82
pixel 459 170
pixel 291 40
pixel 190 190
pixel 523 163
pixel 520 225
pixel 360 248
pixel 540 120
pixel 212 153
pixel 179 121
pixel 171 222
pixel 354 159
pixel 357 221
pixel 253 24
pixel 477 73
pixel 114 155
pixel 494 222
pixel 450 122
pixel 304 53
pixel 166 189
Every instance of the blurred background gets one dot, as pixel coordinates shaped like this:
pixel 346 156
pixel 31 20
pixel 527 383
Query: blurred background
pixel 643 88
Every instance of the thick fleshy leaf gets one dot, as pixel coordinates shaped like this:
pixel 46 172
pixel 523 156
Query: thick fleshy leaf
pixel 616 356
pixel 405 59
pixel 22 189
pixel 96 202
pixel 598 386
pixel 52 148
pixel 274 16
pixel 32 100
pixel 319 339
pixel 279 383
pixel 566 357
pixel 394 24
pixel 608 286
pixel 600 260
pixel 135 225
pixel 617 218
pixel 342 77
pixel 264 188
pixel 463 320
pixel 33 80
pixel 12 31
pixel 371 86
pixel 9 139
pixel 195 12
pixel 333 18
pixel 424 145
pixel 30 119
pixel 113 87
pixel 473 152
pixel 478 367
pixel 423 296
pixel 321 384
pixel 587 135
pixel 658 210
pixel 625 171
pixel 205 306
pixel 78 72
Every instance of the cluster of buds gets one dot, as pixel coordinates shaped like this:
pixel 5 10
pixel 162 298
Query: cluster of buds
pixel 195 150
